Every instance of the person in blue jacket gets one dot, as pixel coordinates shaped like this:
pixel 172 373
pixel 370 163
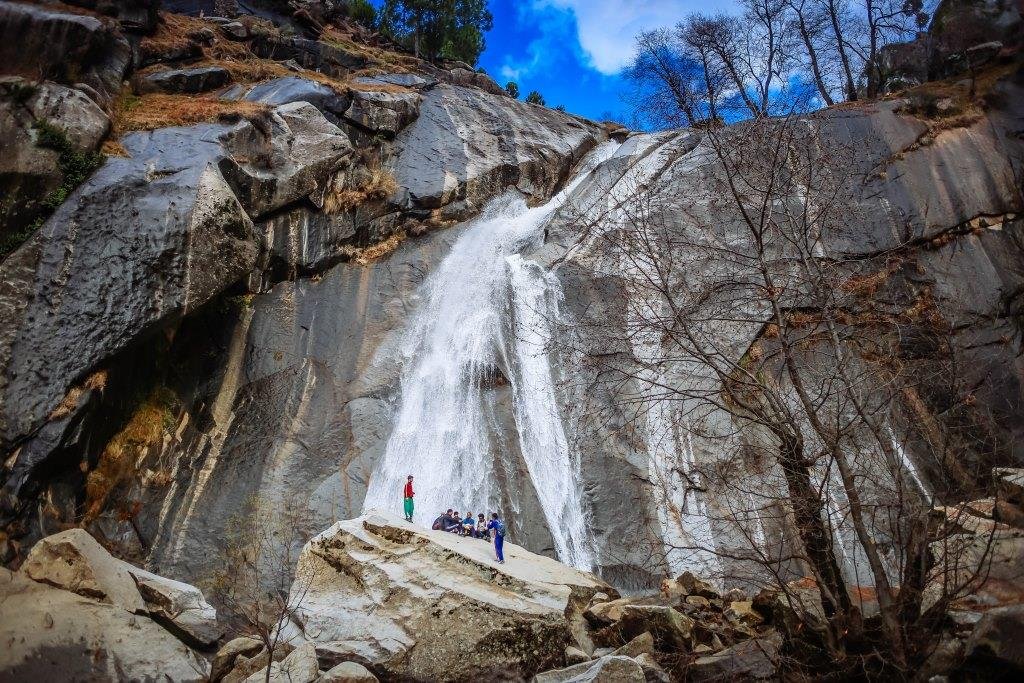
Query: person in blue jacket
pixel 497 529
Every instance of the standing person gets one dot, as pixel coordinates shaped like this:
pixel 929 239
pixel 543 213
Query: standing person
pixel 407 495
pixel 497 529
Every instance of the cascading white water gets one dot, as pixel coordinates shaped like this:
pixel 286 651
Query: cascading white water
pixel 484 309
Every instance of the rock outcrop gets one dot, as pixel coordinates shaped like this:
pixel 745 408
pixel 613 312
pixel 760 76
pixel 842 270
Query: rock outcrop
pixel 73 612
pixel 411 603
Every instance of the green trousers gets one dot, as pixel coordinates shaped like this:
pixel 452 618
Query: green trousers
pixel 408 508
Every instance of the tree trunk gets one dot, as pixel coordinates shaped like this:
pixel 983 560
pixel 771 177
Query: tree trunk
pixel 851 87
pixel 812 54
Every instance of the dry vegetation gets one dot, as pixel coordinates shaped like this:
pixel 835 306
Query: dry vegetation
pixel 379 250
pixel 159 110
pixel 380 185
pixel 120 458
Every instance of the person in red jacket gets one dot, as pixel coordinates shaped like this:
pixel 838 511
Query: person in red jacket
pixel 407 495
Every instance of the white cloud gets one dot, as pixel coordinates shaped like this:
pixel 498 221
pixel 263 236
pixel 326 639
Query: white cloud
pixel 606 28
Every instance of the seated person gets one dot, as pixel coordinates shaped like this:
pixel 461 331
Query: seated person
pixel 454 524
pixel 467 525
pixel 481 527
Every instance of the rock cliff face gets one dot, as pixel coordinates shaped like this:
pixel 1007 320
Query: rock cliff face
pixel 216 316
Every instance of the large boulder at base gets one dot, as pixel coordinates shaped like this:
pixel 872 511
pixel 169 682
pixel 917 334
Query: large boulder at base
pixel 610 669
pixel 754 659
pixel 296 159
pixel 466 144
pixel 50 634
pixel 149 237
pixel 29 171
pixel 411 603
pixel 66 47
pixel 74 561
pixel 997 638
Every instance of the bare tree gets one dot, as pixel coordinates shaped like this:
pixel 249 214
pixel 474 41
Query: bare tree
pixel 758 342
pixel 254 589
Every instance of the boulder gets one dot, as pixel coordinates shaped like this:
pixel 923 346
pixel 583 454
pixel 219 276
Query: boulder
pixel 754 659
pixel 300 666
pixel 74 561
pixel 235 30
pixel 348 672
pixel 38 41
pixel 470 78
pixel 289 89
pixel 610 611
pixel 30 169
pixel 672 631
pixel 404 80
pixel 383 112
pixel 52 634
pixel 574 655
pixel 414 603
pixel 468 145
pixel 180 607
pixel 135 16
pixel 610 669
pixel 642 644
pixel 998 636
pixel 148 238
pixel 298 158
pixel 224 660
pixel 653 672
pixel 188 81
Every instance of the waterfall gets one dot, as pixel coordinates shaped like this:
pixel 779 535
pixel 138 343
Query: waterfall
pixel 485 312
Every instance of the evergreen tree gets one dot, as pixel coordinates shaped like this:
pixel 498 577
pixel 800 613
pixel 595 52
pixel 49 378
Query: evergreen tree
pixel 512 88
pixel 453 29
pixel 535 98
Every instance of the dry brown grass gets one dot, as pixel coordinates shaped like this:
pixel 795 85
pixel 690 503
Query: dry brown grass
pixel 380 185
pixel 97 380
pixel 114 148
pixel 119 461
pixel 379 250
pixel 160 110
pixel 172 34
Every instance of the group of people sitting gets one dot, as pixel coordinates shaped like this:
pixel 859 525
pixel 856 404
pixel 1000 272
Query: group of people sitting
pixel 493 529
pixel 452 522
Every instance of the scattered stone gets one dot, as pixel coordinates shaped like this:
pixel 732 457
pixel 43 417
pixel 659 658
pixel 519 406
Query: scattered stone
pixel 672 630
pixel 698 601
pixel 753 659
pixel 692 585
pixel 742 611
pixel 610 669
pixel 300 666
pixel 643 643
pixel 574 655
pixel 225 658
pixel 734 595
pixel 998 637
pixel 235 30
pixel 610 611
pixel 348 672
pixel 185 81
pixel 653 672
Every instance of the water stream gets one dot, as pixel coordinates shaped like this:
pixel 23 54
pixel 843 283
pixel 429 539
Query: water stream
pixel 485 313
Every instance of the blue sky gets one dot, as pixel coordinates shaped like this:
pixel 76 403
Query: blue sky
pixel 573 51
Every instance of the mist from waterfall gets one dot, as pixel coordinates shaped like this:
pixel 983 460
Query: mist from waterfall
pixel 485 312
